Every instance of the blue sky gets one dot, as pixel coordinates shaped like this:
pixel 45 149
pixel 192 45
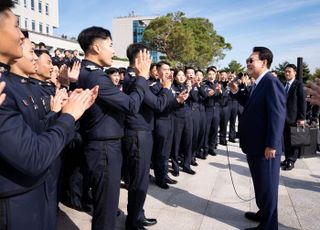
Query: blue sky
pixel 290 28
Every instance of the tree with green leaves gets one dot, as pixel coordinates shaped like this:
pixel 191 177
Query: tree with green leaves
pixel 316 73
pixel 235 67
pixel 185 41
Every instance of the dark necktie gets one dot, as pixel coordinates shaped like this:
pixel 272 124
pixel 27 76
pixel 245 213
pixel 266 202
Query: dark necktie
pixel 252 89
pixel 287 87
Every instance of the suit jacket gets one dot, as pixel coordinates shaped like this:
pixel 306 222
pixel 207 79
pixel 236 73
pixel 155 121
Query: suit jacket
pixel 262 121
pixel 296 103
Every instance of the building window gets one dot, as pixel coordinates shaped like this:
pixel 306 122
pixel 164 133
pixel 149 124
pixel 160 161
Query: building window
pixel 33 25
pixel 47 9
pixel 47 29
pixel 32 4
pixel 40 27
pixel 40 6
pixel 25 3
pixel 26 23
pixel 18 20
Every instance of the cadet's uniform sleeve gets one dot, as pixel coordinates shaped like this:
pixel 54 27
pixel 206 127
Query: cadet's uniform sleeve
pixel 27 151
pixel 110 95
pixel 157 103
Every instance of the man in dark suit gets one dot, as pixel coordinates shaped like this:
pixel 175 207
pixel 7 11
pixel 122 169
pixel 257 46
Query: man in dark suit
pixel 296 113
pixel 261 128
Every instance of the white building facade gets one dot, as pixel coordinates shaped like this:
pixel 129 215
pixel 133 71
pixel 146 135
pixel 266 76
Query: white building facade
pixel 40 18
pixel 128 30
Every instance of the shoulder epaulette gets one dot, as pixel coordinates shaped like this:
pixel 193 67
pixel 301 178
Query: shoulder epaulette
pixel 92 68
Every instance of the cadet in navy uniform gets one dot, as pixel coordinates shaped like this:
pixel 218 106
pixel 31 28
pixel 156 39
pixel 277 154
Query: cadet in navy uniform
pixel 182 128
pixel 26 151
pixel 225 108
pixel 138 142
pixel 232 111
pixel 163 133
pixel 102 126
pixel 212 127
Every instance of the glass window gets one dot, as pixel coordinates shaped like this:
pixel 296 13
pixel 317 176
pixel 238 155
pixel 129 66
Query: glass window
pixel 25 3
pixel 40 6
pixel 47 29
pixel 32 4
pixel 26 23
pixel 33 25
pixel 40 27
pixel 47 9
pixel 18 20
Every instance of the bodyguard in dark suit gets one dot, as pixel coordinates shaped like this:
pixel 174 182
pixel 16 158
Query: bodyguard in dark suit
pixel 261 128
pixel 296 114
pixel 102 126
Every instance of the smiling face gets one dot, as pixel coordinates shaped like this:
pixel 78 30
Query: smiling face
pixel 180 77
pixel 44 66
pixel 11 38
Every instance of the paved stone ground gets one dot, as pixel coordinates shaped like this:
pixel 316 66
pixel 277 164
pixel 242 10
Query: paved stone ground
pixel 207 200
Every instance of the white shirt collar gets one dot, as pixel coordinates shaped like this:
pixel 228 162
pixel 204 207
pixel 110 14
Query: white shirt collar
pixel 260 77
pixel 290 82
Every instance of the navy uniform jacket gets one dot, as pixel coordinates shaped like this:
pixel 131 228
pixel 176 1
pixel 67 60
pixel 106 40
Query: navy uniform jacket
pixel 173 104
pixel 144 119
pixel 25 151
pixel 183 110
pixel 217 98
pixel 105 118
pixel 262 121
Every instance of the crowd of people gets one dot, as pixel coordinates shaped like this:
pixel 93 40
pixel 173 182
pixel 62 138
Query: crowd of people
pixel 74 131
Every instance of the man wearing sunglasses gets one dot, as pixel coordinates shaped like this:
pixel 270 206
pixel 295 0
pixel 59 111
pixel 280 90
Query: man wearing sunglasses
pixel 261 128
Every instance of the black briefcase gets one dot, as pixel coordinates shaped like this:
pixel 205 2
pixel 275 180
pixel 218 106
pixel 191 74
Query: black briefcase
pixel 300 136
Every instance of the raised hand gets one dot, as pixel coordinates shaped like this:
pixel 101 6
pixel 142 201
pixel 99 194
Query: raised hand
pixel 79 101
pixel 2 95
pixel 73 73
pixel 312 89
pixel 142 64
pixel 59 100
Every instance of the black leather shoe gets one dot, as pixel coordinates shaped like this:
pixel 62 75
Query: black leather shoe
pixel 251 228
pixel 194 163
pixel 232 140
pixel 212 152
pixel 283 163
pixel 149 222
pixel 201 156
pixel 162 185
pixel 171 181
pixel 252 216
pixel 224 142
pixel 175 173
pixel 188 170
pixel 289 166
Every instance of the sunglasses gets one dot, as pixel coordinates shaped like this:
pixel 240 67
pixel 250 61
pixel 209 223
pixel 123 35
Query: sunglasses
pixel 250 60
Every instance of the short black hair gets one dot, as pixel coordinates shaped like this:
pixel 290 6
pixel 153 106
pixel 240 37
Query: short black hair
pixel 199 70
pixel 40 52
pixel 176 71
pixel 212 68
pixel 293 66
pixel 264 54
pixel 5 5
pixel 152 66
pixel 161 63
pixel 122 70
pixel 42 44
pixel 112 70
pixel 188 67
pixel 133 50
pixel 89 35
